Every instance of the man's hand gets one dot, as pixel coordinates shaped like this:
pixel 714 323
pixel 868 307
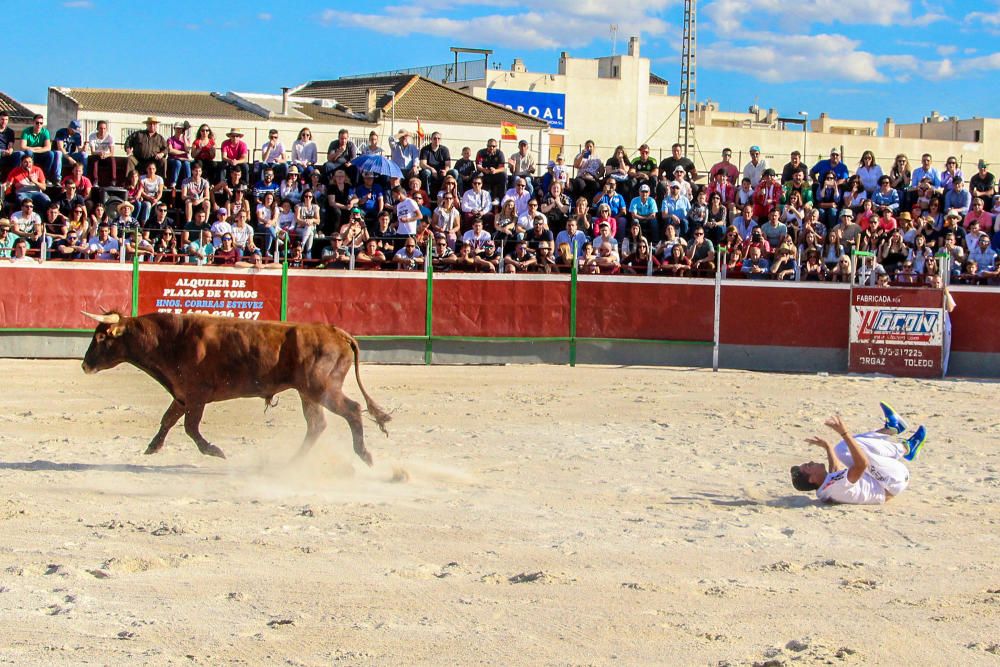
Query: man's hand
pixel 837 424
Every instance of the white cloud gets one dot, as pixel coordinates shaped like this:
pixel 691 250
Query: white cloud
pixel 264 16
pixel 946 50
pixel 779 58
pixel 79 4
pixel 556 24
pixel 743 17
pixel 991 61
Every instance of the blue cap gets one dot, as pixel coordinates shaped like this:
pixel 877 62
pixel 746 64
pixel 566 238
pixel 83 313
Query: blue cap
pixel 74 125
pixel 755 148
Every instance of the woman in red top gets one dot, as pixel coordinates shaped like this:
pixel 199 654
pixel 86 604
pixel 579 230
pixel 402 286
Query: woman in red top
pixel 203 150
pixel 227 254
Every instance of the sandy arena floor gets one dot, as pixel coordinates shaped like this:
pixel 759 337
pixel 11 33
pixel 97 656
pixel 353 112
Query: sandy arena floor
pixel 552 516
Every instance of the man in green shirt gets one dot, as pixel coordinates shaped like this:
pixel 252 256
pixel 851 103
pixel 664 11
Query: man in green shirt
pixel 36 142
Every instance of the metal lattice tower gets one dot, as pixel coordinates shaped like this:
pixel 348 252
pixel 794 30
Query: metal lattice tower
pixel 685 119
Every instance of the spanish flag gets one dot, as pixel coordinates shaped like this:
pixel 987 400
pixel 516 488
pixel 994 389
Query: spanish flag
pixel 420 132
pixel 508 131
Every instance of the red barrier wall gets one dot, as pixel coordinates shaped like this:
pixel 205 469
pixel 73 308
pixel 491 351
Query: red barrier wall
pixel 653 310
pixel 502 307
pixel 793 316
pixel 52 296
pixel 975 322
pixel 362 303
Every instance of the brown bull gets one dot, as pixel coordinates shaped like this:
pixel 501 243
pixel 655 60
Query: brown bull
pixel 201 359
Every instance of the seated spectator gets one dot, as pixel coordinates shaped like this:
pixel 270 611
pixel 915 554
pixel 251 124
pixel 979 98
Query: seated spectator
pixel 103 170
pixel 27 182
pixel 335 255
pixel 522 166
pixel 756 266
pixel 150 193
pixel 146 146
pixel 444 257
pixel 519 193
pixel 957 198
pixel 698 213
pixel 7 238
pixel 869 173
pixel 125 226
pixel 507 224
pixel 220 227
pixel 701 252
pixel 539 233
pixel 753 170
pixel 370 196
pixel 435 163
pixel 37 142
pixel 556 206
pixel 8 145
pixel 588 260
pixel 774 230
pixel 196 194
pixel 784 267
pixel 674 209
pixel 643 209
pixel 491 164
pixel 200 250
pixel 676 263
pixel 744 194
pixel 581 214
pixel 833 165
pixel 76 221
pixel 526 220
pixel 641 262
pixel 371 258
pixel 291 187
pixel 203 150
pixel 604 217
pixel 226 254
pixel 26 223
pixel 354 233
pixel 757 240
pixel 55 224
pixel 722 187
pixel 982 254
pixel 828 199
pixel 102 245
pixel 476 238
pixel 590 170
pixel 978 214
pixel 272 154
pixel 886 196
pixel 409 257
pixel 572 237
pixel 794 166
pixel 242 232
pixel 814 269
pixel 630 242
pixel 466 169
pixel 72 145
pixel 69 248
pixel 745 222
pixel 643 170
pixel 340 154
pixel 304 152
pixel 767 195
pixel 235 154
pixel 617 167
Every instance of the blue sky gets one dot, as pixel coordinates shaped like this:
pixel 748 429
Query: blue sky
pixel 851 58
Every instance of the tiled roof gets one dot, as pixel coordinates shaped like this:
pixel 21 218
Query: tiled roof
pixel 302 109
pixel 417 97
pixel 18 112
pixel 177 104
pixel 657 80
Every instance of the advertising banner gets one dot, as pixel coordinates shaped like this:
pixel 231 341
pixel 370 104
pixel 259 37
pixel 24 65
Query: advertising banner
pixel 246 295
pixel 897 331
pixel 550 107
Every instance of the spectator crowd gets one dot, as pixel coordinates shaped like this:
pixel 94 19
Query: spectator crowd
pixel 193 197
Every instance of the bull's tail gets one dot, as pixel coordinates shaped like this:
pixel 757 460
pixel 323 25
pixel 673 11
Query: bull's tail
pixel 380 416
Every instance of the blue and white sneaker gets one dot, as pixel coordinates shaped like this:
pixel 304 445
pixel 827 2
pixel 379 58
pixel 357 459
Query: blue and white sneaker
pixel 892 420
pixel 915 442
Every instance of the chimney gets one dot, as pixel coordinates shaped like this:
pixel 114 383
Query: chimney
pixel 890 127
pixel 370 97
pixel 518 66
pixel 633 47
pixel 284 101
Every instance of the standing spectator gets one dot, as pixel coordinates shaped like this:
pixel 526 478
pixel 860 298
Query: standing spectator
pixel 832 165
pixel 147 146
pixel 102 156
pixel 727 166
pixel 235 155
pixel 304 152
pixel 795 165
pixel 983 185
pixel 522 166
pixel 8 143
pixel 340 154
pixel 72 145
pixel 754 169
pixel 203 151
pixel 339 201
pixel 408 214
pixel 676 159
pixel 405 155
pixel 435 163
pixel 272 154
pixel 27 182
pixel 493 167
pixel 178 158
pixel 869 173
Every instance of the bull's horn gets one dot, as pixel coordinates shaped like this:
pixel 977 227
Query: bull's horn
pixel 111 318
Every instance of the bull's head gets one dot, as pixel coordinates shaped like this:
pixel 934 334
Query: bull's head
pixel 106 349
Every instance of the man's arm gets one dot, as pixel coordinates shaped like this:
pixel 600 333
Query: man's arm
pixel 860 463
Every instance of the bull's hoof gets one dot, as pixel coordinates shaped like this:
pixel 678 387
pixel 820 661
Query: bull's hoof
pixel 153 449
pixel 212 450
pixel 367 458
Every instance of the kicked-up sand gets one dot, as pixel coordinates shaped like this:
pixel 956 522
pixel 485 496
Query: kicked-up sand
pixel 518 515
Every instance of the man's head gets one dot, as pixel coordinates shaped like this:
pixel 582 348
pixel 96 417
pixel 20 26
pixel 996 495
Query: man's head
pixel 796 158
pixel 5 118
pixel 435 138
pixel 835 156
pixel 522 147
pixel 675 150
pixel 808 476
pixel 37 121
pixel 151 124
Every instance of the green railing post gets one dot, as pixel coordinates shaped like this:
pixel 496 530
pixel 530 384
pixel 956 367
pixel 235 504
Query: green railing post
pixel 572 306
pixel 135 276
pixel 284 282
pixel 429 306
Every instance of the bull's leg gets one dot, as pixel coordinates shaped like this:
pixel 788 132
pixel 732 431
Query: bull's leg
pixel 192 421
pixel 351 411
pixel 315 425
pixel 170 417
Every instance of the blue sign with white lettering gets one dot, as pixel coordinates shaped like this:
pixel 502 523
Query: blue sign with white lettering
pixel 550 107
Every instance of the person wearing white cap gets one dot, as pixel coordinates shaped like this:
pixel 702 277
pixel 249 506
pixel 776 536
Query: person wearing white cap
pixel 833 164
pixel 754 169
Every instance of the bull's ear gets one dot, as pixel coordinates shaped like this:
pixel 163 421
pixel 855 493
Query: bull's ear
pixel 116 331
